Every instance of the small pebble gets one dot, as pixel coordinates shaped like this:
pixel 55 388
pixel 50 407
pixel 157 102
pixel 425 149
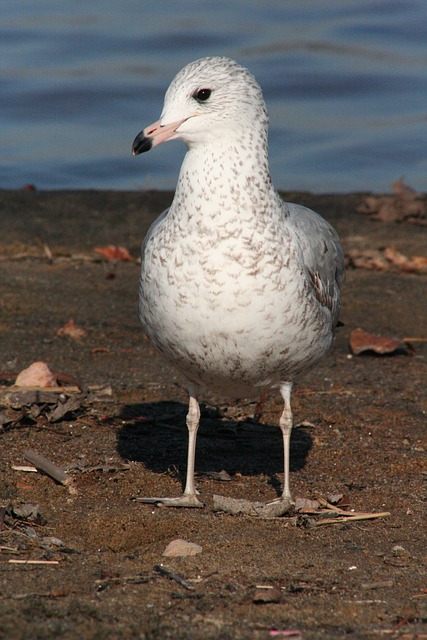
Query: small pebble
pixel 180 547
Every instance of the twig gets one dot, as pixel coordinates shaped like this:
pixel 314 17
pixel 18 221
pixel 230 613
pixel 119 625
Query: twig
pixel 51 469
pixel 345 515
pixel 331 507
pixel 13 561
pixel 11 549
pixel 354 517
pixel 173 576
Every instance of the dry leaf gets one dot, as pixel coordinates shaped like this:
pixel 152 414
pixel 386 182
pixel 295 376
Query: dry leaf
pixel 69 330
pixel 416 264
pixel 36 375
pixel 361 341
pixel 404 205
pixel 113 253
pixel 368 259
pixel 388 259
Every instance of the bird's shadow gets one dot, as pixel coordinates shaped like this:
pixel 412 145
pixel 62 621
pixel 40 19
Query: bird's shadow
pixel 156 435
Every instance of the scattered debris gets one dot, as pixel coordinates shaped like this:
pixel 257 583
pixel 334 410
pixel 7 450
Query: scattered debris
pixel 37 374
pixel 381 584
pixel 50 542
pixel 65 406
pixel 27 511
pixel 361 341
pixel 265 594
pixel 180 548
pixel 70 330
pixel 113 253
pixel 108 579
pixel 387 259
pixel 285 633
pixel 234 506
pixel 46 251
pixel 336 498
pixel 304 512
pixel 173 576
pixel 415 264
pixel 105 467
pixel 218 476
pixel 341 515
pixel 51 469
pixel 405 205
pixel 304 505
pixel 20 405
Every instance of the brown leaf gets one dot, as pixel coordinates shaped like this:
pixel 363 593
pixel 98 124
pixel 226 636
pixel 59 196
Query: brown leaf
pixel 368 259
pixel 388 259
pixel 416 264
pixel 361 341
pixel 70 330
pixel 62 409
pixel 36 375
pixel 404 205
pixel 113 253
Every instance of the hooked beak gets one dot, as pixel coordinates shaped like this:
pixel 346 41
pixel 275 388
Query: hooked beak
pixel 153 135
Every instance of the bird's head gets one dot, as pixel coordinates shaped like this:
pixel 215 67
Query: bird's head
pixel 211 99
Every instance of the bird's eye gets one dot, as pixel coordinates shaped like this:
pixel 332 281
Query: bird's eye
pixel 202 95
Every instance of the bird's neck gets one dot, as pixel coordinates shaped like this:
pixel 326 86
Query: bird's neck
pixel 228 176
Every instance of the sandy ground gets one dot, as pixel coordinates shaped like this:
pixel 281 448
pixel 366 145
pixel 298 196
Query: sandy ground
pixel 360 433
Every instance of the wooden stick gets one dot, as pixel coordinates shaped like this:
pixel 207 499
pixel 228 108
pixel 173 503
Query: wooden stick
pixel 51 469
pixel 173 576
pixel 33 562
pixel 353 518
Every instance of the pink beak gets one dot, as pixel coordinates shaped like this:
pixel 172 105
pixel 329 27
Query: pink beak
pixel 153 135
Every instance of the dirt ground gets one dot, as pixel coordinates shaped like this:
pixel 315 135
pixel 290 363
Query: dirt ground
pixel 360 433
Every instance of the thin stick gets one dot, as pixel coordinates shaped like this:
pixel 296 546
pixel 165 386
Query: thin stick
pixel 331 507
pixel 359 516
pixel 51 469
pixel 33 562
pixel 173 576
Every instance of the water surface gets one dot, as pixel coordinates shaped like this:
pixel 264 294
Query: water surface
pixel 345 83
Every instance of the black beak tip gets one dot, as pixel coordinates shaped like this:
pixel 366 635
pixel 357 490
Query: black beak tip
pixel 141 144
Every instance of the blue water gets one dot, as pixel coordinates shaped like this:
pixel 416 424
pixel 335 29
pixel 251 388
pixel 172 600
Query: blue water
pixel 345 83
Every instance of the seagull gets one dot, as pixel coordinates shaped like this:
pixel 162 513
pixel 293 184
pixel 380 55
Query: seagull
pixel 239 290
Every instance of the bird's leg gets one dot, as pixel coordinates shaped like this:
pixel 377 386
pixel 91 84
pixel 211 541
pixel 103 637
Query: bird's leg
pixel 285 424
pixel 189 497
pixel 193 420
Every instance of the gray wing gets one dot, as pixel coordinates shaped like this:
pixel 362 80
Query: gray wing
pixel 322 255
